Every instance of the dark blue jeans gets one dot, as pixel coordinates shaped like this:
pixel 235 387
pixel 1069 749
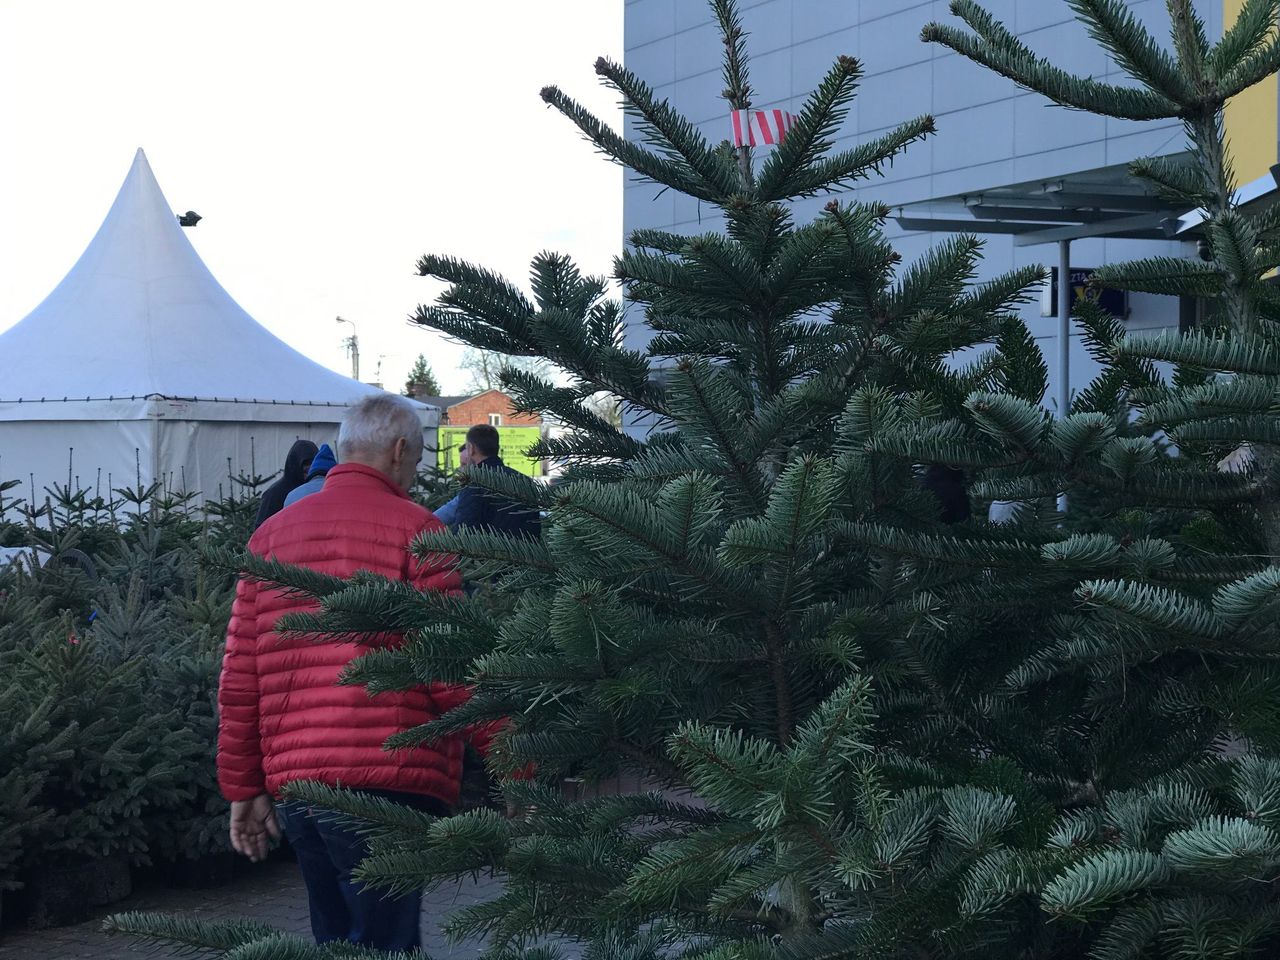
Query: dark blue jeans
pixel 343 908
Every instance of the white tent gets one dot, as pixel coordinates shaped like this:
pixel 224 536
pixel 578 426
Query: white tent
pixel 139 366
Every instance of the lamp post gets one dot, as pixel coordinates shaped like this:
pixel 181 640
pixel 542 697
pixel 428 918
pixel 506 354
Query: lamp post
pixel 352 344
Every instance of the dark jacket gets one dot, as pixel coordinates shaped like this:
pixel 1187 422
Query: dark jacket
pixel 480 509
pixel 295 472
pixel 321 464
pixel 950 487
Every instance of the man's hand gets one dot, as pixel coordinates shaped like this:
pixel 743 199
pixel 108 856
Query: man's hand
pixel 254 826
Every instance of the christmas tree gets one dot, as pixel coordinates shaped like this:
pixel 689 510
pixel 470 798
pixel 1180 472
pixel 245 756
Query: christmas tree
pixel 868 724
pixel 110 643
pixel 421 381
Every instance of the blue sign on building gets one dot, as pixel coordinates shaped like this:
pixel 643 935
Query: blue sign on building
pixel 1115 302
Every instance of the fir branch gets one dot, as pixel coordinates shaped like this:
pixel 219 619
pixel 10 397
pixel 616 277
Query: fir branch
pixel 677 176
pixel 559 285
pixel 611 813
pixel 800 276
pixel 469 327
pixel 799 505
pixel 1157 607
pixel 737 87
pixel 858 163
pixel 811 135
pixel 374 606
pixel 498 552
pixel 182 932
pixel 1253 69
pixel 1121 34
pixel 710 409
pixel 1239 353
pixel 968 551
pixel 1010 420
pixel 1006 292
pixel 1174 179
pixel 366 813
pixel 1237 603
pixel 508 484
pixel 459 273
pixel 297 581
pixel 692 506
pixel 997 49
pixel 1254 27
pixel 1078 434
pixel 662 127
pixel 1240 396
pixel 935 281
pixel 585 448
pixel 1099 881
pixel 661 241
pixel 1023 371
pixel 1226 429
pixel 1169 276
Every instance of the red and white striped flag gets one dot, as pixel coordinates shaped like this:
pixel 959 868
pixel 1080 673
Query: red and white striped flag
pixel 757 128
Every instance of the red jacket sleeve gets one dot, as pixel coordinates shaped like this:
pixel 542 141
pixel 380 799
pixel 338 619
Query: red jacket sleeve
pixel 240 775
pixel 436 571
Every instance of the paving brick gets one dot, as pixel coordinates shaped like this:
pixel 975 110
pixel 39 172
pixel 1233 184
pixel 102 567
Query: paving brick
pixel 272 893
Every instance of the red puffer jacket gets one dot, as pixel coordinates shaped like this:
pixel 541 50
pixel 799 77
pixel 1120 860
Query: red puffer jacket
pixel 282 715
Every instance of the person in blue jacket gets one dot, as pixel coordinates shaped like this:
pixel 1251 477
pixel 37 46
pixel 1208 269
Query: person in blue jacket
pixel 321 464
pixel 475 508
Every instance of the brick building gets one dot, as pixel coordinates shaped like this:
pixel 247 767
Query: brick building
pixel 491 406
pixel 517 432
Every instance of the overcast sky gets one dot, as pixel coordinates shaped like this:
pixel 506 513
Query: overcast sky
pixel 327 145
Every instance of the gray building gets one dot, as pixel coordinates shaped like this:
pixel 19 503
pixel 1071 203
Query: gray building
pixel 996 144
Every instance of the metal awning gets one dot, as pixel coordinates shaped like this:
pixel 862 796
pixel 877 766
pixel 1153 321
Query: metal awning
pixel 1107 202
pixel 1253 197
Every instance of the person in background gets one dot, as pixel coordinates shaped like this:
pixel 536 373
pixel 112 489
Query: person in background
pixel 479 509
pixel 445 514
pixel 951 488
pixel 321 464
pixel 296 465
pixel 284 717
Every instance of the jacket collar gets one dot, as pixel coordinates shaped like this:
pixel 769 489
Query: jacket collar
pixel 358 475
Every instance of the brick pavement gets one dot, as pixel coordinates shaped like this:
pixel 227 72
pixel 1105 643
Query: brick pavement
pixel 271 893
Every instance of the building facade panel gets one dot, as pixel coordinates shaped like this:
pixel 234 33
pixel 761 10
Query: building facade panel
pixel 990 132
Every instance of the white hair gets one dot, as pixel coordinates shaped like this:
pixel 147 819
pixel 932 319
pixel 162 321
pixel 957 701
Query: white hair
pixel 374 424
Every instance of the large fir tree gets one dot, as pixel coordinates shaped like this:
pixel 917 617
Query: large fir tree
pixel 872 728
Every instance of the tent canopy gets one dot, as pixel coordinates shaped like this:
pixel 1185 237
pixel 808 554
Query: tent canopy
pixel 139 368
pixel 141 317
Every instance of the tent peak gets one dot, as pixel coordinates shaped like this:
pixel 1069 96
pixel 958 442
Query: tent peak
pixel 139 314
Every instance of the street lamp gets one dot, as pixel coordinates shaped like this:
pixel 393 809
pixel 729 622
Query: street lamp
pixel 352 344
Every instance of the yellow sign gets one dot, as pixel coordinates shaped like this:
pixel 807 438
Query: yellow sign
pixel 512 444
pixel 1251 118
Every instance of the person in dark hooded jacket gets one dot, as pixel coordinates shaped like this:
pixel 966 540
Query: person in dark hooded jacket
pixel 296 466
pixel 321 464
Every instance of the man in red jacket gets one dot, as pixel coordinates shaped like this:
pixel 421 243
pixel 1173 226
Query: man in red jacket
pixel 284 717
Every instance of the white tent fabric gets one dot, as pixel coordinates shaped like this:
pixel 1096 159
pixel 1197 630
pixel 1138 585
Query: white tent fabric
pixel 139 367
